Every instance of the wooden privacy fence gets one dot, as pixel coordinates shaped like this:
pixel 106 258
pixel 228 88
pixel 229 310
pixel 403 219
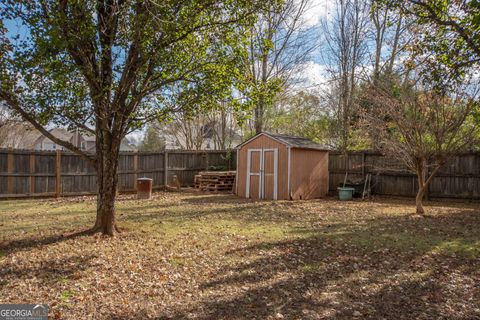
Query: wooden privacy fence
pixel 459 178
pixel 27 173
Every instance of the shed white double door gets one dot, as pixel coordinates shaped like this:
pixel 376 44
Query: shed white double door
pixel 262 174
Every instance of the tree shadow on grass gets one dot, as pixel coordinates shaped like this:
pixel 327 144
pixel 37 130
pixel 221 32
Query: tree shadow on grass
pixel 142 207
pixel 336 273
pixel 221 198
pixel 47 271
pixel 249 213
pixel 35 242
pixel 398 201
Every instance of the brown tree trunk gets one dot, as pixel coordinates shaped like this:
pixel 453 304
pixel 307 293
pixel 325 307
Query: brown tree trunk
pixel 107 181
pixel 419 201
pixel 105 221
pixel 421 168
pixel 258 118
pixel 260 109
pixel 424 180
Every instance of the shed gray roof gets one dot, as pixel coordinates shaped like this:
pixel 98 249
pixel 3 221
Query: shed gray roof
pixel 291 141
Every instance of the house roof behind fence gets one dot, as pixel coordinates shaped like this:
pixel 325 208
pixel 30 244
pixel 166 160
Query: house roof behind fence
pixel 290 141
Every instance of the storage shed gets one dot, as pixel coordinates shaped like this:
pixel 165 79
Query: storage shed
pixel 280 167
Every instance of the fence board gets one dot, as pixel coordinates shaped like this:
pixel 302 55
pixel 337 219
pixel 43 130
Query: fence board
pixel 34 172
pixel 459 178
pixel 25 173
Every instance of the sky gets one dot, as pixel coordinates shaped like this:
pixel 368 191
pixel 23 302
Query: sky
pixel 317 10
pixel 313 71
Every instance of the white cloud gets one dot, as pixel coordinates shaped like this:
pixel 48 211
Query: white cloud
pixel 311 76
pixel 317 10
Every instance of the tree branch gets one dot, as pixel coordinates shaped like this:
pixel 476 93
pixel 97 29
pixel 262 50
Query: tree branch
pixel 447 23
pixel 12 103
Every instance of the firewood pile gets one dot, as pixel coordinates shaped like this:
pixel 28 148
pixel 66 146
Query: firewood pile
pixel 215 180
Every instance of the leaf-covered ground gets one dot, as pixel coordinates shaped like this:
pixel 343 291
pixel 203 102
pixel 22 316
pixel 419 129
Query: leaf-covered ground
pixel 198 256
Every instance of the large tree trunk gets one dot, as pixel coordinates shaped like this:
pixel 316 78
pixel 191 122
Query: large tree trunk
pixel 107 181
pixel 107 191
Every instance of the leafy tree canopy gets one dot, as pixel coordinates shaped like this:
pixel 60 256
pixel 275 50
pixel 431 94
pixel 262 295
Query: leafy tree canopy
pixel 109 66
pixel 448 46
pixel 80 61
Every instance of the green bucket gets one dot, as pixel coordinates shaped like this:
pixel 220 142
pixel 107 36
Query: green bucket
pixel 345 193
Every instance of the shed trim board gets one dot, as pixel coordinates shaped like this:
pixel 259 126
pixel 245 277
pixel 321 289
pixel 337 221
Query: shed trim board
pixel 259 135
pixel 275 173
pixel 249 173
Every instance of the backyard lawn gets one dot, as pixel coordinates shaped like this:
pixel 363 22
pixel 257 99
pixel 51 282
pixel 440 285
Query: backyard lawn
pixel 199 256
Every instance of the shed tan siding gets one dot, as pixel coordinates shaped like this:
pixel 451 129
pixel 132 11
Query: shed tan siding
pixel 263 142
pixel 309 174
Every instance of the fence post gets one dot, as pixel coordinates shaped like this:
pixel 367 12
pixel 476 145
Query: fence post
pixel 135 169
pixel 58 175
pixel 32 171
pixel 165 168
pixel 10 171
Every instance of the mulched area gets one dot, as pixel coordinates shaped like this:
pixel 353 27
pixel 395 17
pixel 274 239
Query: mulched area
pixel 200 256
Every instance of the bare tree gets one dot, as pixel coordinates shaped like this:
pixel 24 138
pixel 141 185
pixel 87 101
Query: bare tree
pixel 224 123
pixel 5 117
pixel 390 34
pixel 345 55
pixel 187 130
pixel 212 129
pixel 420 128
pixel 279 43
pixel 220 127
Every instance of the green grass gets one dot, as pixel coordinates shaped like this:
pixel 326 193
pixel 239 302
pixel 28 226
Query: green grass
pixel 323 254
pixel 65 295
pixel 407 242
pixel 469 247
pixel 312 268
